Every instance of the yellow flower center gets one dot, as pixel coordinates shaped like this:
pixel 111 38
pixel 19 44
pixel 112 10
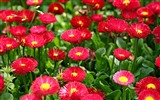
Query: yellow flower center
pixel 121 55
pixel 9 17
pixel 123 79
pixel 34 43
pixel 149 98
pixel 97 5
pixel 22 65
pixel 151 86
pixel 139 31
pixel 23 41
pixel 73 90
pixel 9 45
pixel 80 23
pixel 1 50
pixel 74 74
pixel 55 8
pixel 106 28
pixel 55 54
pixel 126 2
pixel 35 1
pixel 144 13
pixel 45 86
pixel 78 53
pixel 71 35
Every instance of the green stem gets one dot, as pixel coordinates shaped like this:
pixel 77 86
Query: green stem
pixel 23 50
pixel 124 93
pixel 4 63
pixel 25 85
pixel 135 48
pixel 31 77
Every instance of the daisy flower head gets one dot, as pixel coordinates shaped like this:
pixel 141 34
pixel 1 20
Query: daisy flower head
pixel 72 36
pixel 73 91
pixel 138 30
pixel 56 54
pixel 80 21
pixel 45 85
pixel 123 78
pixel 78 53
pixel 92 97
pixel 149 82
pixel 149 95
pixel 30 97
pixel 1 84
pixel 73 74
pixel 55 8
pixel 34 2
pixel 121 54
pixel 24 65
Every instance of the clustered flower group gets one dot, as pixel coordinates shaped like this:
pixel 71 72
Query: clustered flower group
pixel 38 36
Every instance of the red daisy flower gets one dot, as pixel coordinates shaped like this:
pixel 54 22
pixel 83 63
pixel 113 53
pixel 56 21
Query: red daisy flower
pixel 129 15
pixel 96 91
pixel 55 8
pixel 147 20
pixel 38 29
pixel 121 54
pixel 5 0
pixel 72 36
pixel 156 31
pixel 74 74
pixel 138 30
pixel 92 97
pixel 56 54
pixel 117 25
pixel 149 95
pixel 80 21
pixel 1 84
pixel 154 6
pixel 47 18
pixel 2 48
pixel 123 77
pixel 18 30
pixel 34 40
pixel 98 5
pixel 10 43
pixel 97 17
pixel 85 34
pixel 73 91
pixel 25 16
pixel 144 12
pixel 34 2
pixel 126 4
pixel 157 40
pixel 90 2
pixel 48 36
pixel 30 97
pixel 45 85
pixel 148 83
pixel 9 15
pixel 78 53
pixel 103 26
pixel 157 62
pixel 63 1
pixel 24 65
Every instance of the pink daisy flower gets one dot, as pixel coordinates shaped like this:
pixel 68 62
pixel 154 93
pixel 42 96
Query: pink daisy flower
pixel 123 77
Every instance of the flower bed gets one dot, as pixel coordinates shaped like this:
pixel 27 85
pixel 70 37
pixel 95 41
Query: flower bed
pixel 79 50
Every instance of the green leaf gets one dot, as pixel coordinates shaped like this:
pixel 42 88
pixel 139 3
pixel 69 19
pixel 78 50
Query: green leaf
pixel 121 43
pixel 6 96
pixel 97 41
pixel 89 79
pixel 100 53
pixel 115 95
pixel 145 71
